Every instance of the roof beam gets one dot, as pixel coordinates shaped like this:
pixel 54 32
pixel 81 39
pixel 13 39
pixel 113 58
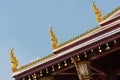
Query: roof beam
pixel 100 72
pixel 62 70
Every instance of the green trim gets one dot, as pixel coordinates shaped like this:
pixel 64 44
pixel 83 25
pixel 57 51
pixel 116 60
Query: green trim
pixel 112 12
pixel 76 37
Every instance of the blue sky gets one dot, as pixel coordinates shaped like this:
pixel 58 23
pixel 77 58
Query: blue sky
pixel 24 26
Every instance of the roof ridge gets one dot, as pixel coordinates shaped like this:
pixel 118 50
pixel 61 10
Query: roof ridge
pixel 80 35
pixel 35 61
pixel 76 37
pixel 110 13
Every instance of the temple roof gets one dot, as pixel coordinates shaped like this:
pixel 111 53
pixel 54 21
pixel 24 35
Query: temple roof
pixel 113 14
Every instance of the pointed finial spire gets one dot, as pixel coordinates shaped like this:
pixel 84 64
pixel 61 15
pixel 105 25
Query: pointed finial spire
pixel 13 61
pixel 97 12
pixel 53 39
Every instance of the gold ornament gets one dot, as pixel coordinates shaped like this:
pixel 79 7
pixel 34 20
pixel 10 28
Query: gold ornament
pixel 53 38
pixel 14 61
pixel 97 12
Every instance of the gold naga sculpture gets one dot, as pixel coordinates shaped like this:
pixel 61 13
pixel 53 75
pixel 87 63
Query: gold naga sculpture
pixel 13 61
pixel 97 12
pixel 53 39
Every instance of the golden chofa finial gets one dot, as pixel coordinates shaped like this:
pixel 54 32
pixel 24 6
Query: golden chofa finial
pixel 97 12
pixel 13 61
pixel 53 39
